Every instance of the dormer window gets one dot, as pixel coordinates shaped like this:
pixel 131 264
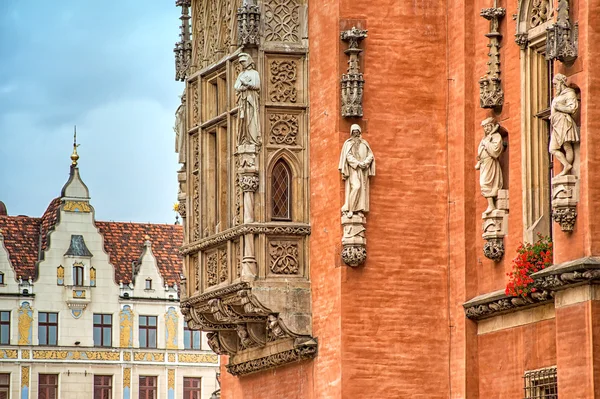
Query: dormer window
pixel 78 275
pixel 1 278
pixel 148 284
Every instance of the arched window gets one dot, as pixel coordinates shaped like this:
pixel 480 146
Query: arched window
pixel 281 191
pixel 78 275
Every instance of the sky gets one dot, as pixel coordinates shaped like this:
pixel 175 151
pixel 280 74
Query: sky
pixel 108 67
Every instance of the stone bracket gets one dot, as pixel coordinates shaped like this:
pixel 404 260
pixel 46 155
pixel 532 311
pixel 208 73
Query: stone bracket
pixel 240 326
pixel 564 201
pixel 491 94
pixel 352 83
pixel 495 227
pixel 354 243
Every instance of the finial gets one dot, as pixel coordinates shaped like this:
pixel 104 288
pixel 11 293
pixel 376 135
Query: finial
pixel 147 237
pixel 74 155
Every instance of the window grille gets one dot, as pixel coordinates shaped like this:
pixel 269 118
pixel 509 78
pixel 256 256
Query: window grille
pixel 281 183
pixel 541 384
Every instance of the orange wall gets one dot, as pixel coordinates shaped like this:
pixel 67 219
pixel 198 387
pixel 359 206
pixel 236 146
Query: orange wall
pixel 505 355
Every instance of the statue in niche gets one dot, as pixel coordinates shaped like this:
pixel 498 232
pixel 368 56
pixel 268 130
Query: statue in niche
pixel 357 164
pixel 490 172
pixel 564 130
pixel 247 87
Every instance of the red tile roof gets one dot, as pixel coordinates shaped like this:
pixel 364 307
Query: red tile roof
pixel 123 242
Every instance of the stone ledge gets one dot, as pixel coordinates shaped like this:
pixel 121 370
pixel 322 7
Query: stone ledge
pixel 554 278
pixel 568 274
pixel 295 229
pixel 497 303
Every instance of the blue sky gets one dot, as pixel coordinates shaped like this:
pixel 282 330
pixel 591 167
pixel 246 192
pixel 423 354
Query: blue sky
pixel 107 67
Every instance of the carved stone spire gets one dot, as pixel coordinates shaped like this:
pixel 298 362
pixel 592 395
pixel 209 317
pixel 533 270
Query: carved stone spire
pixel 561 38
pixel 353 81
pixel 183 48
pixel 248 18
pixel 490 85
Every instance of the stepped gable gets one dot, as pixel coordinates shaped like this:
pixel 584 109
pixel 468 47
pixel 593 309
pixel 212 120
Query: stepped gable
pixel 124 243
pixel 21 240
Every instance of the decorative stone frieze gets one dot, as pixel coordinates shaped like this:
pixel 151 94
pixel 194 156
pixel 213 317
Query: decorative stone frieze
pixel 562 37
pixel 183 48
pixel 496 303
pixel 568 274
pixel 357 165
pixel 284 77
pixel 283 129
pixel 352 81
pixel 248 20
pixel 491 94
pixel 303 351
pixel 298 229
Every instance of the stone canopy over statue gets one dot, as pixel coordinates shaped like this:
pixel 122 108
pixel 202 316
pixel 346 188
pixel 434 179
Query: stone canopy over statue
pixel 490 171
pixel 247 88
pixel 357 164
pixel 564 130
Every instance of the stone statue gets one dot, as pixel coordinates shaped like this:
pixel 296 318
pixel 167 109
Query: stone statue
pixel 247 87
pixel 356 164
pixel 564 129
pixel 180 132
pixel 490 172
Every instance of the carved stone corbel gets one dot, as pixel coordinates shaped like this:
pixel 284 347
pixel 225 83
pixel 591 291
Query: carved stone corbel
pixel 353 82
pixel 561 37
pixel 248 19
pixel 564 201
pixel 522 39
pixel 183 48
pixel 491 94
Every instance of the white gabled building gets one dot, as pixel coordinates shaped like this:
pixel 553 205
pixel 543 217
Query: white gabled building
pixel 90 309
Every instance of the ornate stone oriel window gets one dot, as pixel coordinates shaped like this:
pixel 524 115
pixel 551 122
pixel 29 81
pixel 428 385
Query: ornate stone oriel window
pixel 281 191
pixel 536 95
pixel 541 384
pixel 246 182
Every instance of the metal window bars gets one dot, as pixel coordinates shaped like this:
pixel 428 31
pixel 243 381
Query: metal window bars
pixel 541 384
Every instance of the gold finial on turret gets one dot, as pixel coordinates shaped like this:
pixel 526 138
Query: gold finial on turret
pixel 74 155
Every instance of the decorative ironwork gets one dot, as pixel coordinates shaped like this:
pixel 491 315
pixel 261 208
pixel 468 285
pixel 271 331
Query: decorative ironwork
pixel 541 384
pixel 281 191
pixel 353 81
pixel 490 85
pixel 183 48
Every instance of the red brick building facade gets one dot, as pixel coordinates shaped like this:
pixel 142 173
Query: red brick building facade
pixel 426 315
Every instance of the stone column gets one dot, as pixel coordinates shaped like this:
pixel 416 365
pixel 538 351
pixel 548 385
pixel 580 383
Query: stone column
pixel 248 182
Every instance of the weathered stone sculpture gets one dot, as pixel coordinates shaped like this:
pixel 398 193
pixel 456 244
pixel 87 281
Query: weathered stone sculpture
pixel 561 37
pixel 490 148
pixel 247 88
pixel 491 182
pixel 491 94
pixel 565 134
pixel 183 48
pixel 353 81
pixel 357 164
pixel 248 19
pixel 564 130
